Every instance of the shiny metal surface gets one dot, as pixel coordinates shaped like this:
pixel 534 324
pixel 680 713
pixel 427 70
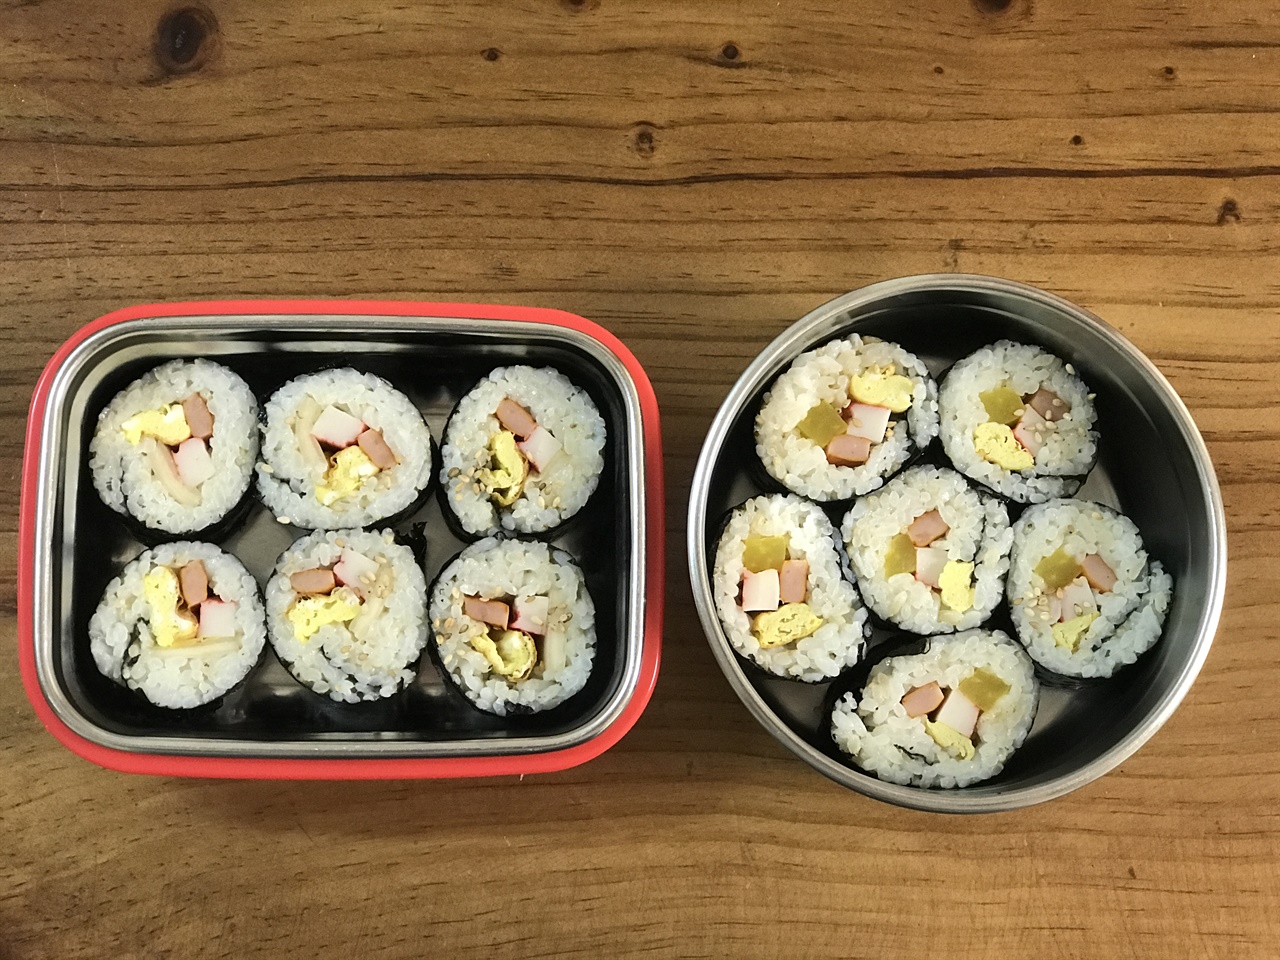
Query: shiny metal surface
pixel 81 544
pixel 1152 464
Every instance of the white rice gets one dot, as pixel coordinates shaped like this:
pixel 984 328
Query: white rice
pixel 369 657
pixel 287 479
pixel 514 569
pixel 822 376
pixel 883 740
pixel 1071 446
pixel 1131 615
pixel 124 649
pixel 837 644
pixel 980 534
pixel 549 498
pixel 122 474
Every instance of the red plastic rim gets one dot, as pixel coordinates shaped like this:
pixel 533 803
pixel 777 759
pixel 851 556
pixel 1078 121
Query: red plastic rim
pixel 356 769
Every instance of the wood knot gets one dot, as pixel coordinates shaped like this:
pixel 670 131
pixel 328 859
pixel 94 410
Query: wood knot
pixel 580 6
pixel 730 51
pixel 1077 140
pixel 938 70
pixel 1229 211
pixel 993 6
pixel 186 39
pixel 643 140
pixel 1170 73
pixel 491 54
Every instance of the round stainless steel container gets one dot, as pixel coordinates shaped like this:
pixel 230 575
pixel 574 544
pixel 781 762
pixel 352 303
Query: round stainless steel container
pixel 1152 464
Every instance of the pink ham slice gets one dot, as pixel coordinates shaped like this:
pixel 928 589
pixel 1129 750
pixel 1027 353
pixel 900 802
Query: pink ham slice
pixel 867 421
pixel 516 418
pixel 193 581
pixel 847 451
pixel 1048 404
pixel 199 419
pixel 493 612
pixel 922 700
pixel 760 591
pixel 793 582
pixel 1100 576
pixel 376 449
pixel 927 528
pixel 317 580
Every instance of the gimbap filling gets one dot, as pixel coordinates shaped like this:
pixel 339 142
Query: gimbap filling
pixel 843 417
pixel 947 717
pixel 1085 597
pixel 781 590
pixel 342 449
pixel 1018 420
pixel 175 449
pixel 928 551
pixel 182 624
pixel 522 452
pixel 514 625
pixel 347 613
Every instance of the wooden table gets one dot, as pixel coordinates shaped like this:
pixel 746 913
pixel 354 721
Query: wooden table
pixel 694 176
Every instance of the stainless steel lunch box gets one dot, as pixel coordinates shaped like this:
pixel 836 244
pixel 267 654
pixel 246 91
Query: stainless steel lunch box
pixel 1152 464
pixel 271 726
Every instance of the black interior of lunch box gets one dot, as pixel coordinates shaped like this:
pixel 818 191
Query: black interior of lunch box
pixel 434 370
pixel 1143 469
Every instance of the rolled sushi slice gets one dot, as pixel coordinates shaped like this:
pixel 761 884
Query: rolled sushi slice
pixel 1019 421
pixel 342 448
pixel 929 552
pixel 347 613
pixel 844 417
pixel 175 449
pixel 523 451
pixel 781 591
pixel 514 625
pixel 948 717
pixel 181 625
pixel 1085 597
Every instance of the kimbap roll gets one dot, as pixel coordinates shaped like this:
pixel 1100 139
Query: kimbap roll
pixel 514 625
pixel 522 452
pixel 844 417
pixel 948 717
pixel 347 613
pixel 342 449
pixel 928 551
pixel 781 590
pixel 1019 421
pixel 182 625
pixel 175 449
pixel 1086 599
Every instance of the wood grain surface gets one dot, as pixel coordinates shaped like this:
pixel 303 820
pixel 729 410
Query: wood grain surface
pixel 695 176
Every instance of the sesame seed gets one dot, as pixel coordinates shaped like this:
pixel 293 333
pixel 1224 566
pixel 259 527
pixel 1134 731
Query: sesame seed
pixel 266 468
pixel 1071 370
pixel 1066 416
pixel 1097 515
pixel 1017 601
pixel 1057 401
pixel 282 519
pixel 1044 617
pixel 1090 396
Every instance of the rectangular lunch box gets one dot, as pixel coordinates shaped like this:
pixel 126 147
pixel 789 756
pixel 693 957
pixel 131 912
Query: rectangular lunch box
pixel 71 545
